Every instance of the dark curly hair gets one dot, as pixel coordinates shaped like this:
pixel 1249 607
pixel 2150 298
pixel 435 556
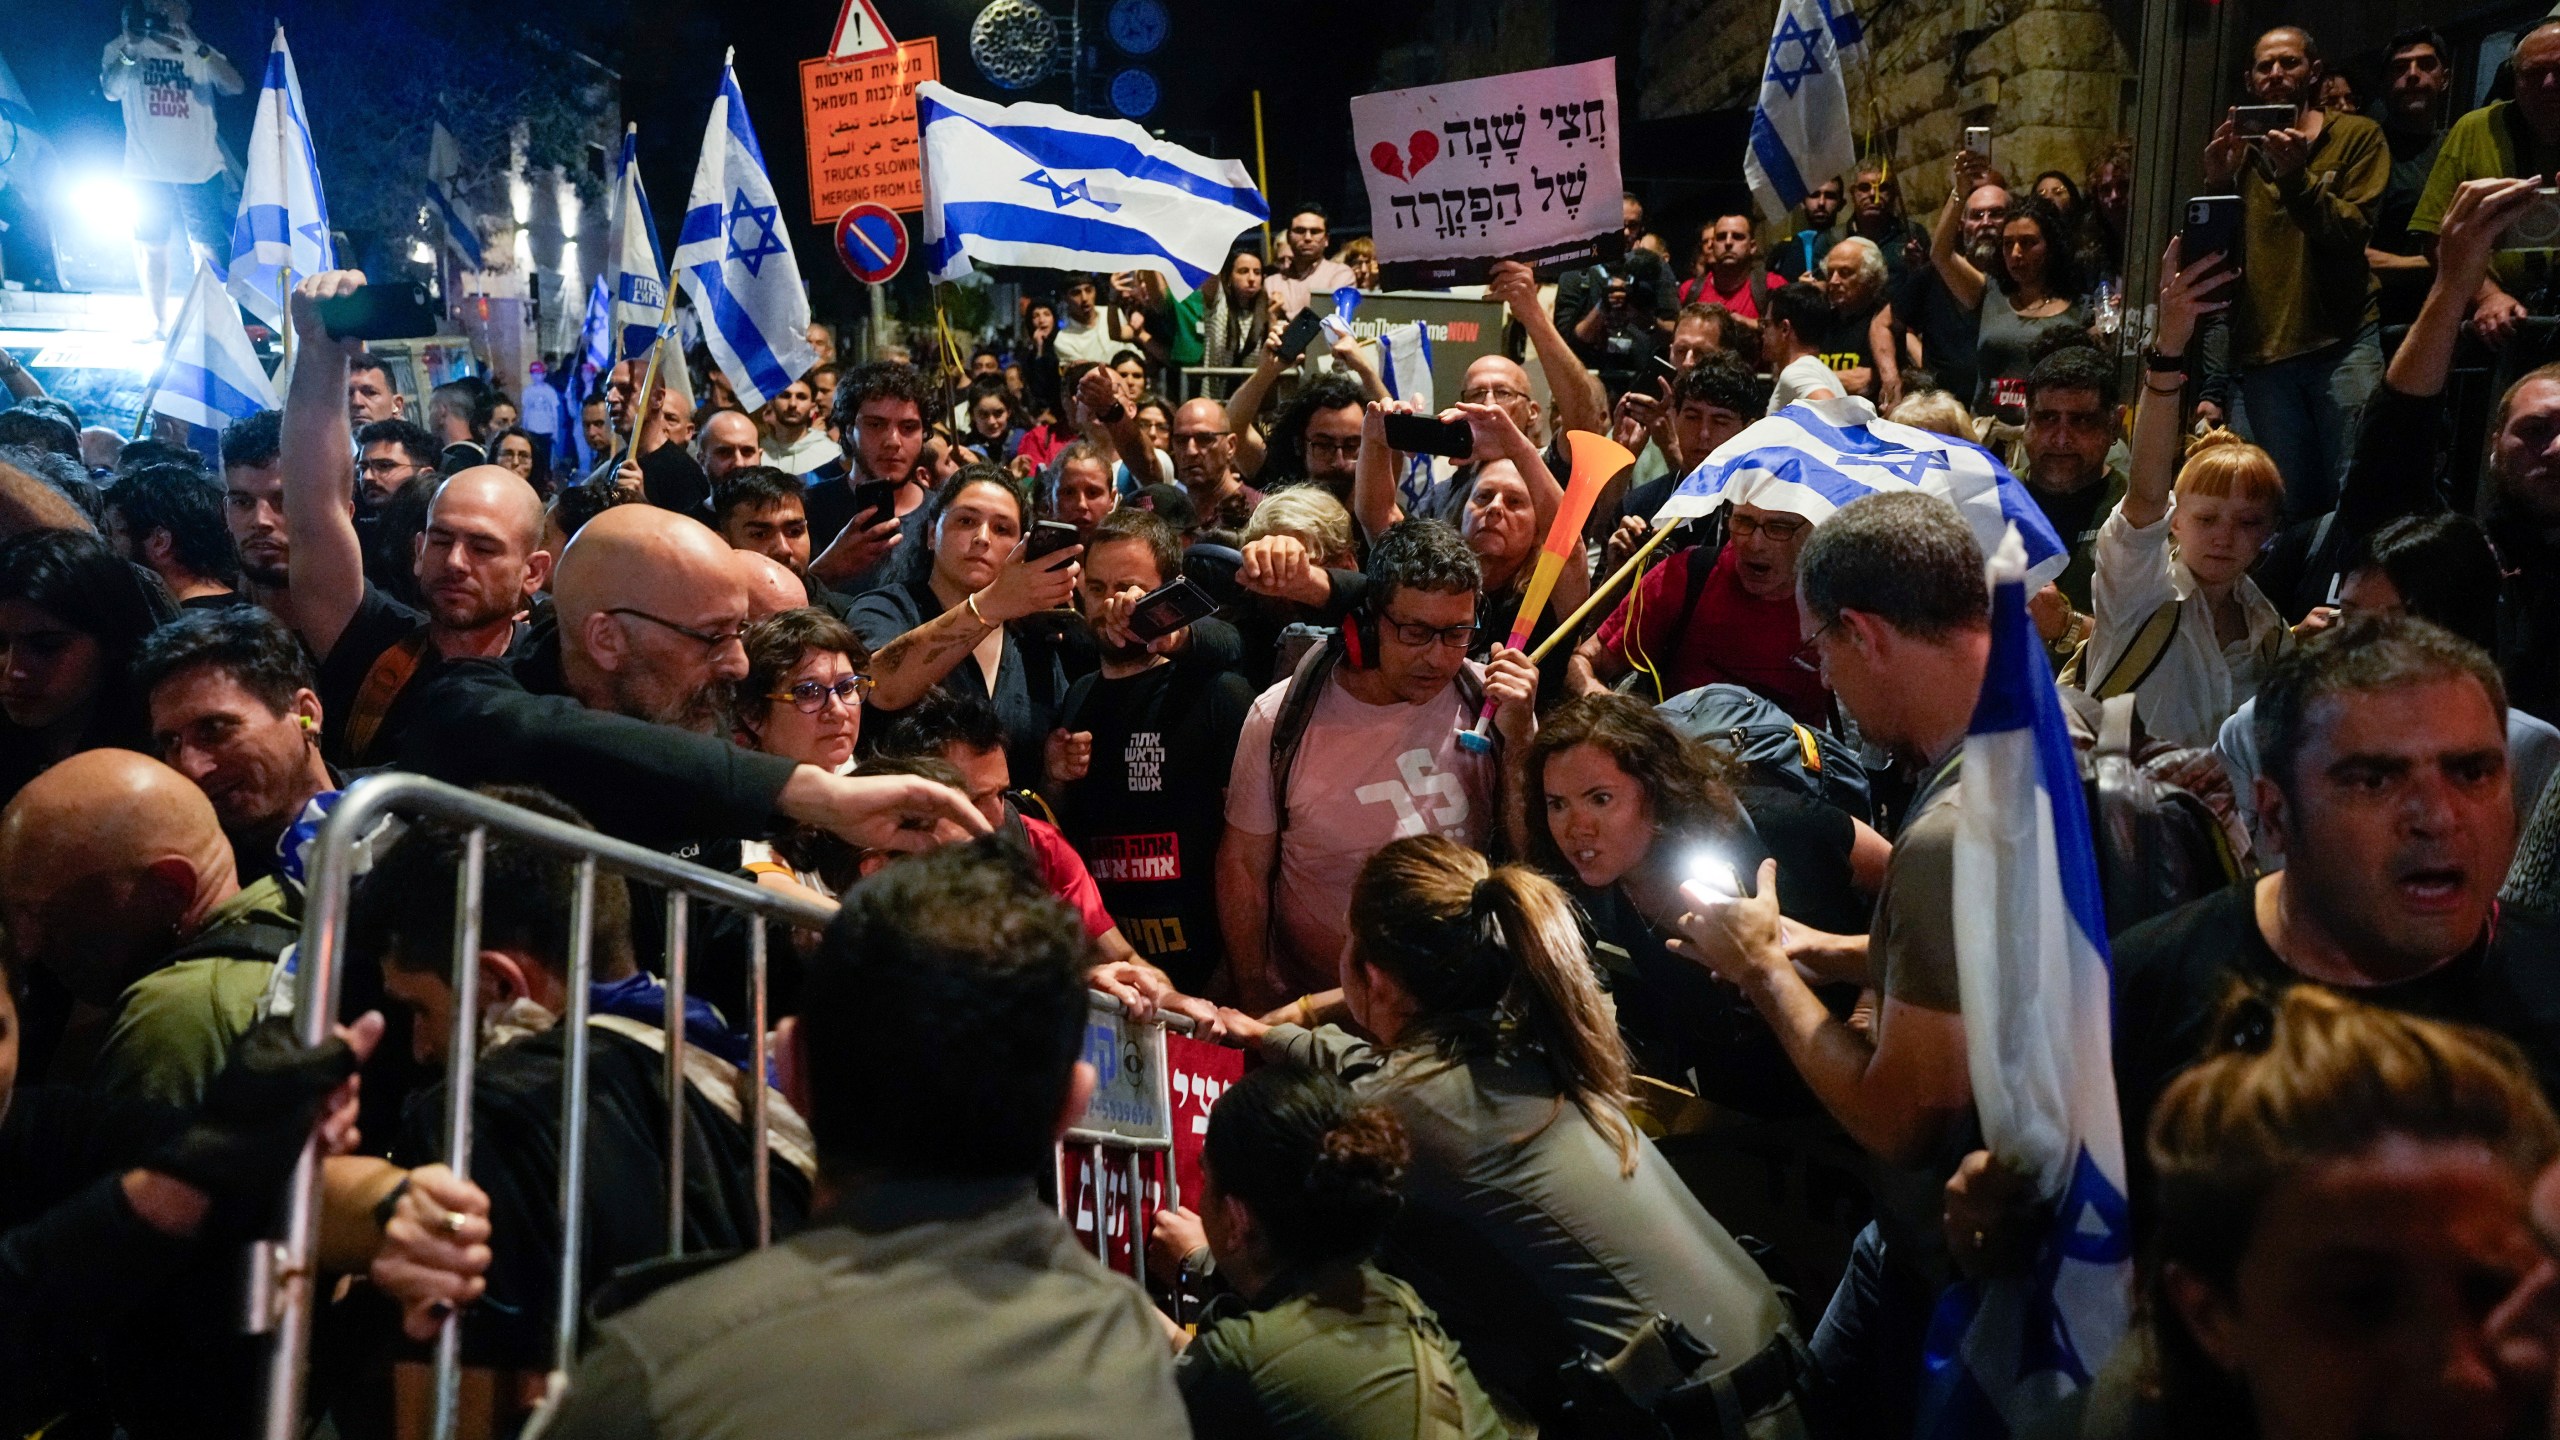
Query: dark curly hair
pixel 1688 787
pixel 881 380
pixel 2061 259
pixel 186 503
pixel 777 644
pixel 1322 1173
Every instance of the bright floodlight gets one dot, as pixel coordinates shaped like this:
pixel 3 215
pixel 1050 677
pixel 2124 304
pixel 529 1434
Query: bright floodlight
pixel 105 203
pixel 420 253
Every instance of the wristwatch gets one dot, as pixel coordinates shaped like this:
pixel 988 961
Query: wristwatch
pixel 2158 363
pixel 1113 416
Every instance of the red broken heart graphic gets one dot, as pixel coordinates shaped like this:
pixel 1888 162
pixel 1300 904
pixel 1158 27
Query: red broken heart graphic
pixel 1423 146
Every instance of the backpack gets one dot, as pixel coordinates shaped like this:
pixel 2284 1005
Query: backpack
pixel 2159 846
pixel 1768 743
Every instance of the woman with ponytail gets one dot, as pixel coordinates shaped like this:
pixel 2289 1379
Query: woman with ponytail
pixel 1312 1341
pixel 1538 1222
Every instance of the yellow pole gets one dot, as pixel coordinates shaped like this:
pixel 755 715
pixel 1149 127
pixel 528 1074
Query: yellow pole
pixel 1607 588
pixel 1262 175
pixel 649 378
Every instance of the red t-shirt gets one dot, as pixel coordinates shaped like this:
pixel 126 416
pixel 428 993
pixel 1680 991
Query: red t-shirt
pixel 1702 291
pixel 1733 638
pixel 1062 870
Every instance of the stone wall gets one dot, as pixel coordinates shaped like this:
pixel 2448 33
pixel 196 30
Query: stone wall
pixel 2049 74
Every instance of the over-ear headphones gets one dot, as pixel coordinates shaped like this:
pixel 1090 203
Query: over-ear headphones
pixel 1360 639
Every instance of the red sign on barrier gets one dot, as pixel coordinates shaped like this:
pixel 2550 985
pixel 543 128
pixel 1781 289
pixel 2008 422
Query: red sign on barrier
pixel 1199 1072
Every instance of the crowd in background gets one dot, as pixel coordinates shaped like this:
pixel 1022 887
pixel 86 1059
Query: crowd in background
pixel 1606 1033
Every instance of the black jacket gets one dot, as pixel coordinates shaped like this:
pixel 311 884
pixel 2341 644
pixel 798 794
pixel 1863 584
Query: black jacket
pixel 513 722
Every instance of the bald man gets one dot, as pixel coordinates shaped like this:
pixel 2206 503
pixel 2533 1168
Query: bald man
pixel 729 443
pixel 115 877
pixel 617 708
pixel 771 587
pixel 1204 461
pixel 479 563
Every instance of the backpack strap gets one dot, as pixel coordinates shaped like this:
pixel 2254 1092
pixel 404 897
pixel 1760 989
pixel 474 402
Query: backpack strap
pixel 1759 290
pixel 1439 1406
pixel 1297 710
pixel 262 938
pixel 2115 725
pixel 2150 645
pixel 383 682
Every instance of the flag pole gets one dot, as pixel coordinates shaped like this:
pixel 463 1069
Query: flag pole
pixel 1262 175
pixel 1606 589
pixel 168 356
pixel 649 378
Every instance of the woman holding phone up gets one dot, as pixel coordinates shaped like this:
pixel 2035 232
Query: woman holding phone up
pixel 951 629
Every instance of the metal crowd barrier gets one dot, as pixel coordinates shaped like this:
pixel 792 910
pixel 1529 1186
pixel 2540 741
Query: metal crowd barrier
pixel 282 1273
pixel 1131 1111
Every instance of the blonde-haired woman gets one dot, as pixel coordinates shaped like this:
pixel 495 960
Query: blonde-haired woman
pixel 1539 1222
pixel 2179 623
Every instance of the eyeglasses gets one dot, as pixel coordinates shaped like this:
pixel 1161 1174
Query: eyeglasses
pixel 1808 656
pixel 712 640
pixel 388 467
pixel 1419 635
pixel 809 697
pixel 1322 445
pixel 1492 395
pixel 1781 529
pixel 1198 437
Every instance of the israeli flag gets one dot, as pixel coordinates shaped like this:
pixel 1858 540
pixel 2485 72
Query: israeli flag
pixel 1404 363
pixel 1036 185
pixel 22 141
pixel 1800 133
pixel 639 273
pixel 2032 966
pixel 733 257
pixel 284 222
pixel 1817 455
pixel 209 376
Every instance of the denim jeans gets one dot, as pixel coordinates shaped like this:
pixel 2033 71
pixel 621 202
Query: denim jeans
pixel 1866 1351
pixel 2303 413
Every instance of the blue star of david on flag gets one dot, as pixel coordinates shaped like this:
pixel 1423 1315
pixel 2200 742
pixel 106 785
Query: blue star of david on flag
pixel 1063 194
pixel 1809 42
pixel 741 213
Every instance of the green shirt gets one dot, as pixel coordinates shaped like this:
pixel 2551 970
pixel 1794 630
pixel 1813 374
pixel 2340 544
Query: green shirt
pixel 1183 346
pixel 1344 1355
pixel 174 1028
pixel 2488 144
pixel 2304 283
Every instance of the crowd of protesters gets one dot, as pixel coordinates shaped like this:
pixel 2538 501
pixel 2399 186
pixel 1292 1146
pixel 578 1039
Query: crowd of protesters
pixel 1607 1078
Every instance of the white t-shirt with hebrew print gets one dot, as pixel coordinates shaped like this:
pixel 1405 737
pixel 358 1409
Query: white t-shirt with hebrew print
pixel 167 93
pixel 1365 775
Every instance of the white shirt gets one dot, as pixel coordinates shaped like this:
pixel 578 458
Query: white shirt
pixel 2199 682
pixel 803 455
pixel 1803 375
pixel 167 92
pixel 1091 341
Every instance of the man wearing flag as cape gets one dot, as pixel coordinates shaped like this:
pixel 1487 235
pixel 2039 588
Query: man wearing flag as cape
pixel 1896 611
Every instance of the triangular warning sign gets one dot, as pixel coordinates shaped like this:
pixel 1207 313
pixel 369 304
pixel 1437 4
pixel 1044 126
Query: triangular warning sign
pixel 859 32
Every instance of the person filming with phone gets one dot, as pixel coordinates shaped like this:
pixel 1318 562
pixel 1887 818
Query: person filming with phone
pixel 2306 318
pixel 2518 138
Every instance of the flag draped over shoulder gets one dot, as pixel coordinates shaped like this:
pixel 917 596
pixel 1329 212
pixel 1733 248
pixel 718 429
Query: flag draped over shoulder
pixel 1817 455
pixel 209 375
pixel 733 256
pixel 284 221
pixel 2033 970
pixel 1037 185
pixel 1800 133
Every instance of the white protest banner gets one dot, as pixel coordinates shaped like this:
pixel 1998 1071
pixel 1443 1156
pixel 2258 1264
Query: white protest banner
pixel 1511 167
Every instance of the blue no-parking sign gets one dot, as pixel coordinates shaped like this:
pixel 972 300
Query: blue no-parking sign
pixel 871 240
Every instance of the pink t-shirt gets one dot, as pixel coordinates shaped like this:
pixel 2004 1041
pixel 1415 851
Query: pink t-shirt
pixel 1365 775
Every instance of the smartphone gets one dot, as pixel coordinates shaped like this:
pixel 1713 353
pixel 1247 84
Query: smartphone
pixel 1664 370
pixel 1425 435
pixel 875 501
pixel 1048 537
pixel 1977 138
pixel 2252 122
pixel 1300 334
pixel 394 310
pixel 2538 227
pixel 2213 228
pixel 1169 609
